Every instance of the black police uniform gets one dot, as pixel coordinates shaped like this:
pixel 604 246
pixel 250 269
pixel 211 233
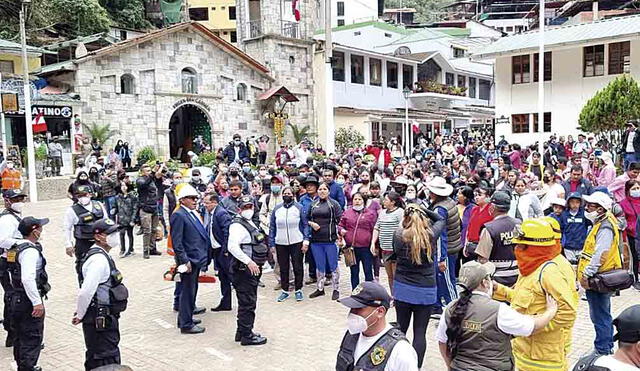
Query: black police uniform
pixel 374 359
pixel 244 282
pixel 100 323
pixel 28 330
pixel 6 284
pixel 83 229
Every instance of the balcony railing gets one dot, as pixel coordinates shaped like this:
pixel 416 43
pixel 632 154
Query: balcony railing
pixel 431 86
pixel 290 29
pixel 254 28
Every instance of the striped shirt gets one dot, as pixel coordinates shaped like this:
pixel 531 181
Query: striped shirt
pixel 386 225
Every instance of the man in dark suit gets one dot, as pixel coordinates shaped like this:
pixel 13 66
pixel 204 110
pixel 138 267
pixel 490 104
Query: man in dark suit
pixel 217 220
pixel 191 244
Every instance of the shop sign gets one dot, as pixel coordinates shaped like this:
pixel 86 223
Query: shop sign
pixel 9 102
pixel 64 112
pixel 187 100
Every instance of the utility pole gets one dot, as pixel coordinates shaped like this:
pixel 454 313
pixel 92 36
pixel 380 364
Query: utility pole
pixel 329 124
pixel 31 155
pixel 540 137
pixel 2 125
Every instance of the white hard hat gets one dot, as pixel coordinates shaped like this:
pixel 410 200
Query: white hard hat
pixel 599 198
pixel 186 191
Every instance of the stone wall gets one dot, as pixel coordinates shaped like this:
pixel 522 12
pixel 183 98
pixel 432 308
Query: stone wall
pixel 143 118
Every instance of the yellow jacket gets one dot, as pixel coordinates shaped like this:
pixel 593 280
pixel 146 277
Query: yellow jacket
pixel 610 259
pixel 547 349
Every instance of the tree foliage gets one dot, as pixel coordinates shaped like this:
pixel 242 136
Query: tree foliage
pixel 127 13
pixel 348 138
pixel 426 10
pixel 101 132
pixel 610 109
pixel 300 133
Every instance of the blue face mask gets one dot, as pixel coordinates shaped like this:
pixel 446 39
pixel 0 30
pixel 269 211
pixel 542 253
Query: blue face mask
pixel 275 188
pixel 340 181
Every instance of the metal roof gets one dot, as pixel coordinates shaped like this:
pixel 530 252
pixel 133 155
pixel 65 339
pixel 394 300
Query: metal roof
pixel 593 32
pixel 6 45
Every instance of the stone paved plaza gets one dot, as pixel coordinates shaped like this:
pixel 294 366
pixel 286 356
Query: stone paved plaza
pixel 302 336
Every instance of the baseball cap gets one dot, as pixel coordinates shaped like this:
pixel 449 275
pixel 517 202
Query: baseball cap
pixel 367 294
pixel 276 179
pixel 13 193
pixel 244 201
pixel 576 195
pixel 29 223
pixel 501 200
pixel 84 189
pixel 106 226
pixel 628 325
pixel 472 273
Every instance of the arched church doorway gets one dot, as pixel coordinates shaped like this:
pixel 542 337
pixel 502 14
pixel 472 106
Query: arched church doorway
pixel 188 124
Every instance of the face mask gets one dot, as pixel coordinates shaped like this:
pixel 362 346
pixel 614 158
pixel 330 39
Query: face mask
pixel 262 172
pixel 233 173
pixel 113 240
pixel 10 166
pixel 39 236
pixel 365 181
pixel 275 189
pixel 358 208
pixel 83 179
pixel 236 142
pixel 247 214
pixel 224 170
pixel 17 206
pixel 287 199
pixel 246 169
pixel 411 196
pixel 195 178
pixel 340 181
pixel 591 215
pixel 84 200
pixel 635 193
pixel 418 158
pixel 357 324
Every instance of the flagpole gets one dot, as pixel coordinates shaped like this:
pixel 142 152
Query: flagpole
pixel 31 154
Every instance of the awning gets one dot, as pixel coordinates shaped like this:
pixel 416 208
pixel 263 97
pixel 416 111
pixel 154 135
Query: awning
pixel 279 91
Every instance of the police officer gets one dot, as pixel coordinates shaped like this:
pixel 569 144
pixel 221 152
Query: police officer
pixel 495 243
pixel 370 343
pixel 248 245
pixel 102 297
pixel 26 268
pixel 78 224
pixel 9 220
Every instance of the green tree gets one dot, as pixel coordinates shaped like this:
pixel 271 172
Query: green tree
pixel 426 10
pixel 100 132
pixel 610 109
pixel 348 138
pixel 300 133
pixel 127 13
pixel 82 17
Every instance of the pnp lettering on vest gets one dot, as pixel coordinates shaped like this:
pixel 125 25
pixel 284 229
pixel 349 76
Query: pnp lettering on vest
pixel 502 256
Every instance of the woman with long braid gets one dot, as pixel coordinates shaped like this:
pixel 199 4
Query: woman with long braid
pixel 475 331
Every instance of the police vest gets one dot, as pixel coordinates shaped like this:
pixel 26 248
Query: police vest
pixel 12 213
pixel 84 227
pixel 454 242
pixel 15 269
pixel 375 358
pixel 112 293
pixel 502 255
pixel 256 249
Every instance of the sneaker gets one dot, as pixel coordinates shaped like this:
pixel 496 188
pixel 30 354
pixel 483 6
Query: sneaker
pixel 129 253
pixel 636 285
pixel 310 281
pixel 316 293
pixel 299 295
pixel 335 295
pixel 122 254
pixel 283 296
pixel 260 283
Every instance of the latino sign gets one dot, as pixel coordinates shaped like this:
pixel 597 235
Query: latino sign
pixel 49 112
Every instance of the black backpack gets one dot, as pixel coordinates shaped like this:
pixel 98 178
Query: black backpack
pixel 586 364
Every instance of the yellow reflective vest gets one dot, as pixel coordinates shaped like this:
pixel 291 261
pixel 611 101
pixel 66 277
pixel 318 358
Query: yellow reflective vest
pixel 547 349
pixel 609 260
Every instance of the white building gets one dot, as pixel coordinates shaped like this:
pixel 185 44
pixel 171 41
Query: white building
pixel 346 12
pixel 579 60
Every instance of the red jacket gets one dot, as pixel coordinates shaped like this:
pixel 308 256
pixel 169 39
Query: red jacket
pixel 479 217
pixel 359 226
pixel 375 151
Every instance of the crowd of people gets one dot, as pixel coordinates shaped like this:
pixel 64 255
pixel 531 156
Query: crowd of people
pixel 495 241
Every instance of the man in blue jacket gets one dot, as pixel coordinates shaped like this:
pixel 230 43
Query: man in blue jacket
pixel 190 244
pixel 217 219
pixel 574 227
pixel 335 190
pixel 236 151
pixel 577 183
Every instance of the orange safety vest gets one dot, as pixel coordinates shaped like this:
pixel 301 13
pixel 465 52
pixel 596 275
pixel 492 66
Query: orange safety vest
pixel 11 179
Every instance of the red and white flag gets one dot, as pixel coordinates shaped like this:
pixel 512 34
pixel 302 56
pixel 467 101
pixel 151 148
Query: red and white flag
pixel 39 124
pixel 295 7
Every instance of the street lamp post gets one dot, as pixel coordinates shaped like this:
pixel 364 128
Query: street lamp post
pixel 31 155
pixel 406 92
pixel 541 22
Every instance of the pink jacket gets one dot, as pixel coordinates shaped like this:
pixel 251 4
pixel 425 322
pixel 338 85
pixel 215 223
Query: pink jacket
pixel 607 176
pixel 631 208
pixel 617 187
pixel 358 226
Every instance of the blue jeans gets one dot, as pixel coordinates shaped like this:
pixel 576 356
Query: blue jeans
pixel 600 312
pixel 364 256
pixel 629 158
pixel 110 206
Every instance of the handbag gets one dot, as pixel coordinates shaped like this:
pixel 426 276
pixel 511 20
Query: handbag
pixel 349 256
pixel 613 280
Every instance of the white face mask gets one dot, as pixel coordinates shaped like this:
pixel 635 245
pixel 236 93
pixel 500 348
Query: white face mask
pixel 591 215
pixel 84 200
pixel 247 214
pixel 195 178
pixel 635 193
pixel 113 240
pixel 17 207
pixel 10 166
pixel 358 208
pixel 357 324
pixel 263 172
pixel 411 195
